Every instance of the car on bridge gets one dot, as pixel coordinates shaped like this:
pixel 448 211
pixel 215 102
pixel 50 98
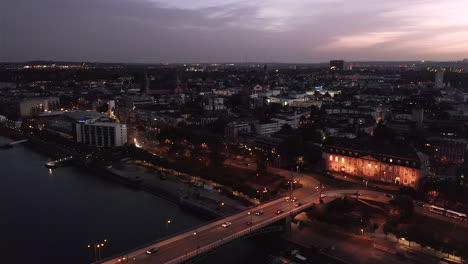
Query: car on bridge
pixel 226 224
pixel 279 211
pixel 151 251
pixel 259 212
pixel 249 223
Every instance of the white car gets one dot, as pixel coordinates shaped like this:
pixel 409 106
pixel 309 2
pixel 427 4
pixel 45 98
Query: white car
pixel 323 195
pixel 226 224
pixel 151 251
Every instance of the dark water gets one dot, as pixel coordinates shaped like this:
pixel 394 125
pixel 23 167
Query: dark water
pixel 51 217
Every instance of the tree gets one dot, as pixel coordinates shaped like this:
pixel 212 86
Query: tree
pixel 217 159
pixel 402 208
pixel 102 108
pixel 261 162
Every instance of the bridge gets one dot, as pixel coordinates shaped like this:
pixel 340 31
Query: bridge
pixel 185 246
pixel 55 163
pixel 11 144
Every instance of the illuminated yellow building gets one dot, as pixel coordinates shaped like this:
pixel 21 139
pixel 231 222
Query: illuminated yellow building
pixel 391 163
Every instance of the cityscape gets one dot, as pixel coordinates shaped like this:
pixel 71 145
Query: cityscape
pixel 203 132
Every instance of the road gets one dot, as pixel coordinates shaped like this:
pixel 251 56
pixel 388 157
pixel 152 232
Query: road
pixel 181 247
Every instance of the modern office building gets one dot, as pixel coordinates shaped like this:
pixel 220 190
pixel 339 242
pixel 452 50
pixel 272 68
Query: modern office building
pixel 102 134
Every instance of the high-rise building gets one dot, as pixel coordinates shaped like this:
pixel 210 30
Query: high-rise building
pixel 337 65
pixel 439 80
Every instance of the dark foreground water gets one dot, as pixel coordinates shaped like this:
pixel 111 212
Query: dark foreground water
pixel 51 217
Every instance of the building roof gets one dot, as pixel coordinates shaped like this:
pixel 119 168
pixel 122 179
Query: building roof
pixel 83 115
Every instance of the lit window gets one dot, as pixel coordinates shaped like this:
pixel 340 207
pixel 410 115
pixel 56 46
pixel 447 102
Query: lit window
pixel 336 158
pixel 342 160
pixel 331 157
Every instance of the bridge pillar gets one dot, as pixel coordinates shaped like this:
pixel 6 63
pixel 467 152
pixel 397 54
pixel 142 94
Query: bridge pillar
pixel 287 226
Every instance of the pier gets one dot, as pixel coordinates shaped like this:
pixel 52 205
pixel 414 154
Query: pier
pixel 55 163
pixel 12 144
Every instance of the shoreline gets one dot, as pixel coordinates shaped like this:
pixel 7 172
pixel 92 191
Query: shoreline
pixel 53 151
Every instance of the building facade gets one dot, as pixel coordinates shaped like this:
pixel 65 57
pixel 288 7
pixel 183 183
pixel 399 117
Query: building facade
pixel 234 129
pixel 266 128
pixel 102 134
pixel 367 163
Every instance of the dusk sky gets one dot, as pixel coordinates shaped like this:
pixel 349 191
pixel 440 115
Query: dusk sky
pixel 230 30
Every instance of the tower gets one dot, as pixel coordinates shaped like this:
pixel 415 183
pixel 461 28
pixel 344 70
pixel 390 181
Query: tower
pixel 265 74
pixel 179 88
pixel 439 80
pixel 146 83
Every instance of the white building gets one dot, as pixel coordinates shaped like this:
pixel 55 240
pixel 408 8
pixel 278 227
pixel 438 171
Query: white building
pixel 102 134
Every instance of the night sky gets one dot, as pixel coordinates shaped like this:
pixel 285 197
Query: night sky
pixel 228 30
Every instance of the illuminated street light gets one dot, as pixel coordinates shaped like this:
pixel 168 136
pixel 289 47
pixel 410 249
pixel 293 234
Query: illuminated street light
pixel 167 226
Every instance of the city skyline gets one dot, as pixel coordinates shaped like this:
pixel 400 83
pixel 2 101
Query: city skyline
pixel 148 31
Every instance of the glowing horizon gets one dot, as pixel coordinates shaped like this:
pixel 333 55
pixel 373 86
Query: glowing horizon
pixel 257 30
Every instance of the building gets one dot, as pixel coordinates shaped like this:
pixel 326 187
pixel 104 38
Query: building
pixel 34 106
pixel 337 65
pixel 266 128
pixel 101 134
pixel 448 151
pixel 267 143
pixel 236 128
pixel 213 104
pixel 374 160
pixel 439 80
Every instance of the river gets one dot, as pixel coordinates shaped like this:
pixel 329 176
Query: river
pixel 51 216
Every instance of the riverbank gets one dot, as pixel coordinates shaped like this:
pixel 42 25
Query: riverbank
pixel 53 215
pixel 174 188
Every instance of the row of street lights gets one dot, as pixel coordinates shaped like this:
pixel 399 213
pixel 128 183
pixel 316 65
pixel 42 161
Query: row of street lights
pixel 97 247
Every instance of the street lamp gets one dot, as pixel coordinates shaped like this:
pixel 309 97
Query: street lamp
pixel 362 231
pixel 99 251
pixel 196 241
pixel 167 226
